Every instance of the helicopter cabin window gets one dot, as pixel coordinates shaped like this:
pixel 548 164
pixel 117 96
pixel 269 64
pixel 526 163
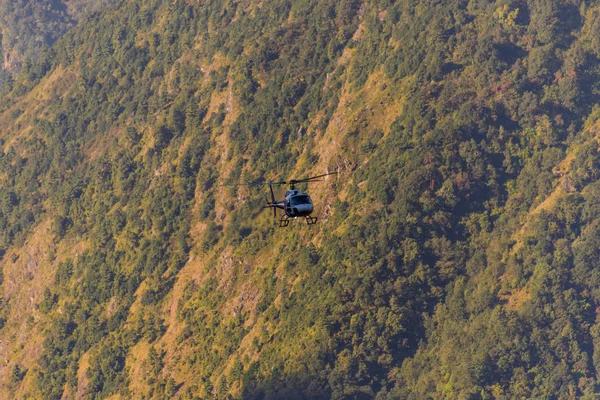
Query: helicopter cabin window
pixel 297 200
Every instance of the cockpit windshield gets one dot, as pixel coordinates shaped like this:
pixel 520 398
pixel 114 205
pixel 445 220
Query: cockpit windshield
pixel 302 199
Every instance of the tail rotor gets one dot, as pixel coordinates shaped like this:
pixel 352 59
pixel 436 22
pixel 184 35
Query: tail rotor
pixel 273 201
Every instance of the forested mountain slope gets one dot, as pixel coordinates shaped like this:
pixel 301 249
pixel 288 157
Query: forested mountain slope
pixel 456 254
pixel 29 27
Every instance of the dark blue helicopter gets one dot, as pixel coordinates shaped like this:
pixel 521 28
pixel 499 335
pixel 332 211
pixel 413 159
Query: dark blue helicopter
pixel 295 204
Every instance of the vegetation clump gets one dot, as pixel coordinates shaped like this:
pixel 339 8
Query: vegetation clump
pixel 449 259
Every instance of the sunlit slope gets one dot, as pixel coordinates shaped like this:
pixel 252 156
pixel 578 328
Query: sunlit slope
pixel 455 250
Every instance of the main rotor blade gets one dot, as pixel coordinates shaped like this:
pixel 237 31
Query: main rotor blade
pixel 249 184
pixel 311 181
pixel 241 184
pixel 319 176
pixel 291 181
pixel 312 178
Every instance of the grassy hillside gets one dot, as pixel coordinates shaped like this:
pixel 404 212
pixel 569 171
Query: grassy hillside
pixel 455 254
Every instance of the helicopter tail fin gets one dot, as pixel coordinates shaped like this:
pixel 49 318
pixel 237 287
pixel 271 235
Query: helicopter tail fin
pixel 271 204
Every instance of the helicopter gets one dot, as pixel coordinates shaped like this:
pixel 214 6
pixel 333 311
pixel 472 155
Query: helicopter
pixel 295 203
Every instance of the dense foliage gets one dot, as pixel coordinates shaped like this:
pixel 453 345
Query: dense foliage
pixel 29 27
pixel 456 252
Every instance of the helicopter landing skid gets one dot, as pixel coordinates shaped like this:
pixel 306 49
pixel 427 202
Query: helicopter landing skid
pixel 311 220
pixel 285 220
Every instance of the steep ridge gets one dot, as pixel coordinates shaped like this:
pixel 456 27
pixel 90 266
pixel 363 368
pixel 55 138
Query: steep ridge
pixel 439 267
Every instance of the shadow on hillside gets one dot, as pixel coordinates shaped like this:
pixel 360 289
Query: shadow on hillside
pixel 296 389
pixel 290 390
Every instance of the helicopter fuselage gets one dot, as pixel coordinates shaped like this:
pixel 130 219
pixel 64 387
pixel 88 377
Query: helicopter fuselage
pixel 297 204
